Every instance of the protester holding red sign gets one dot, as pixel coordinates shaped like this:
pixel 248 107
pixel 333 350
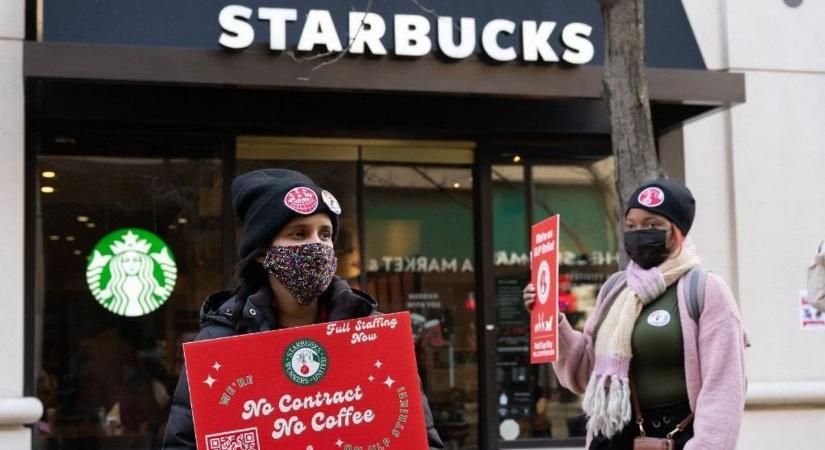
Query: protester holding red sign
pixel 664 326
pixel 286 276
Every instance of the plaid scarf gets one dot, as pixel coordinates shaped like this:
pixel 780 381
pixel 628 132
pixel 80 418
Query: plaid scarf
pixel 607 397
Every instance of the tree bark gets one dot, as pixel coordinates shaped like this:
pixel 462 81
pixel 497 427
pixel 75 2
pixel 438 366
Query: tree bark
pixel 628 102
pixel 626 96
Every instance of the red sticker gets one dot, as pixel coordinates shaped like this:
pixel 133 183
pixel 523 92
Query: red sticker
pixel 302 200
pixel 652 197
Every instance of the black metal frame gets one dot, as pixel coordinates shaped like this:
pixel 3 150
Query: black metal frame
pixel 485 312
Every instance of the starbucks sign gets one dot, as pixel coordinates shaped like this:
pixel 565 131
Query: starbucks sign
pixel 131 272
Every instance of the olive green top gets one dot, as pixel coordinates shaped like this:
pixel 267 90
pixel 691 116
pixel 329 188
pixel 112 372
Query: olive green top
pixel 658 364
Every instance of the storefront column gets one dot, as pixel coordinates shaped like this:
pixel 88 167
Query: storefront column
pixel 15 410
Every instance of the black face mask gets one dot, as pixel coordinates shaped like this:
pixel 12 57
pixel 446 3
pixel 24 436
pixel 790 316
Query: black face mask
pixel 647 248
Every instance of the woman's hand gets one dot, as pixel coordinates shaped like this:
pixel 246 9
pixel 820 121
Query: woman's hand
pixel 529 296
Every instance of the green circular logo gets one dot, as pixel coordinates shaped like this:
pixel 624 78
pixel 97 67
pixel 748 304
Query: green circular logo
pixel 305 362
pixel 131 272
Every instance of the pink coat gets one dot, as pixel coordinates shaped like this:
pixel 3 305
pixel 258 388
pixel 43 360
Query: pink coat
pixel 714 364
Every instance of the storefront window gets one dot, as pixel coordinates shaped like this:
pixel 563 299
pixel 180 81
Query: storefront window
pixel 111 313
pixel 419 258
pixel 112 310
pixel 531 403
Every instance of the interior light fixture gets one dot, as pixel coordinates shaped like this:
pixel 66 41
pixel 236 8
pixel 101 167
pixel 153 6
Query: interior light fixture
pixel 82 219
pixel 517 159
pixel 70 238
pixel 456 185
pixel 182 220
pixel 47 190
pixel 90 225
pixel 77 252
pixel 48 174
pixel 54 237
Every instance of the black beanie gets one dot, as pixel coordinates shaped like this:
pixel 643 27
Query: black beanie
pixel 265 200
pixel 667 198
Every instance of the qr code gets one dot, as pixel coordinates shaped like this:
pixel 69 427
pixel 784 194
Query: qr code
pixel 246 439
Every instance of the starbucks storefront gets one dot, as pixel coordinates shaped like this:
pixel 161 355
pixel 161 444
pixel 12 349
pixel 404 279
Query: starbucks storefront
pixel 439 162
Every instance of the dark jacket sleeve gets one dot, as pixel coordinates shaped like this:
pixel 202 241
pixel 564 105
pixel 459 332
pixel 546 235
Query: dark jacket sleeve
pixel 180 429
pixel 433 439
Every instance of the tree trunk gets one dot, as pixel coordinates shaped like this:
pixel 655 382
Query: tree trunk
pixel 627 100
pixel 626 95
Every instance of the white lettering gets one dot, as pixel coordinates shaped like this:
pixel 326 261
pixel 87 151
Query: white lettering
pixel 366 31
pixel 277 17
pixel 283 427
pixel 237 33
pixel 580 50
pixel 467 37
pixel 449 265
pixel 287 403
pixel 319 29
pixel 536 41
pixel 541 237
pixel 489 40
pixel 363 337
pixel 251 409
pixel 347 416
pixel 467 266
pixel 411 35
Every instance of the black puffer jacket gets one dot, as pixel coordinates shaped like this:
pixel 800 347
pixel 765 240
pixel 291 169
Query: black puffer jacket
pixel 222 315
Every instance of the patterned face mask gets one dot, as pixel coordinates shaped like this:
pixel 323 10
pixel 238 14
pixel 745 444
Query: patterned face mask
pixel 305 270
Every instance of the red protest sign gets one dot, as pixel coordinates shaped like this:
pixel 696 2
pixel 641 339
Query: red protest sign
pixel 544 257
pixel 340 385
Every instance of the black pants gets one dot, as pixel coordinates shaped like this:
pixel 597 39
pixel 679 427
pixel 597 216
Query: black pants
pixel 658 423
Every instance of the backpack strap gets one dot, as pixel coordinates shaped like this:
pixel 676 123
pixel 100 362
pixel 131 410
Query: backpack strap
pixel 695 292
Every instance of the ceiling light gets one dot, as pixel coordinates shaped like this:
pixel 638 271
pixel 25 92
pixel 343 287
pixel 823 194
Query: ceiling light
pixel 70 238
pixel 48 174
pixel 54 237
pixel 516 159
pixel 83 219
pixel 172 226
pixel 182 220
pixel 47 189
pixel 77 252
pixel 456 185
pixel 90 224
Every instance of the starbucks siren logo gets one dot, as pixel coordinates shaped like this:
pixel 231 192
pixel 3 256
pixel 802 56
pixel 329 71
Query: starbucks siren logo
pixel 305 362
pixel 131 272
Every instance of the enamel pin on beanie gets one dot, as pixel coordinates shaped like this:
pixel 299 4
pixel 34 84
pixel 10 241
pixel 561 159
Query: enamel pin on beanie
pixel 302 200
pixel 668 198
pixel 652 197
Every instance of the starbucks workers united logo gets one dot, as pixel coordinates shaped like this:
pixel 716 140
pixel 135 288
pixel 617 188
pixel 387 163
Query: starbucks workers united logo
pixel 131 272
pixel 305 362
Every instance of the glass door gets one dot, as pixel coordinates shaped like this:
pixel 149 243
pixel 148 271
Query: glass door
pixel 526 405
pixel 419 258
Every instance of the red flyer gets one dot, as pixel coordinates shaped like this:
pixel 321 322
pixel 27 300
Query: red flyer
pixel 340 385
pixel 544 268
